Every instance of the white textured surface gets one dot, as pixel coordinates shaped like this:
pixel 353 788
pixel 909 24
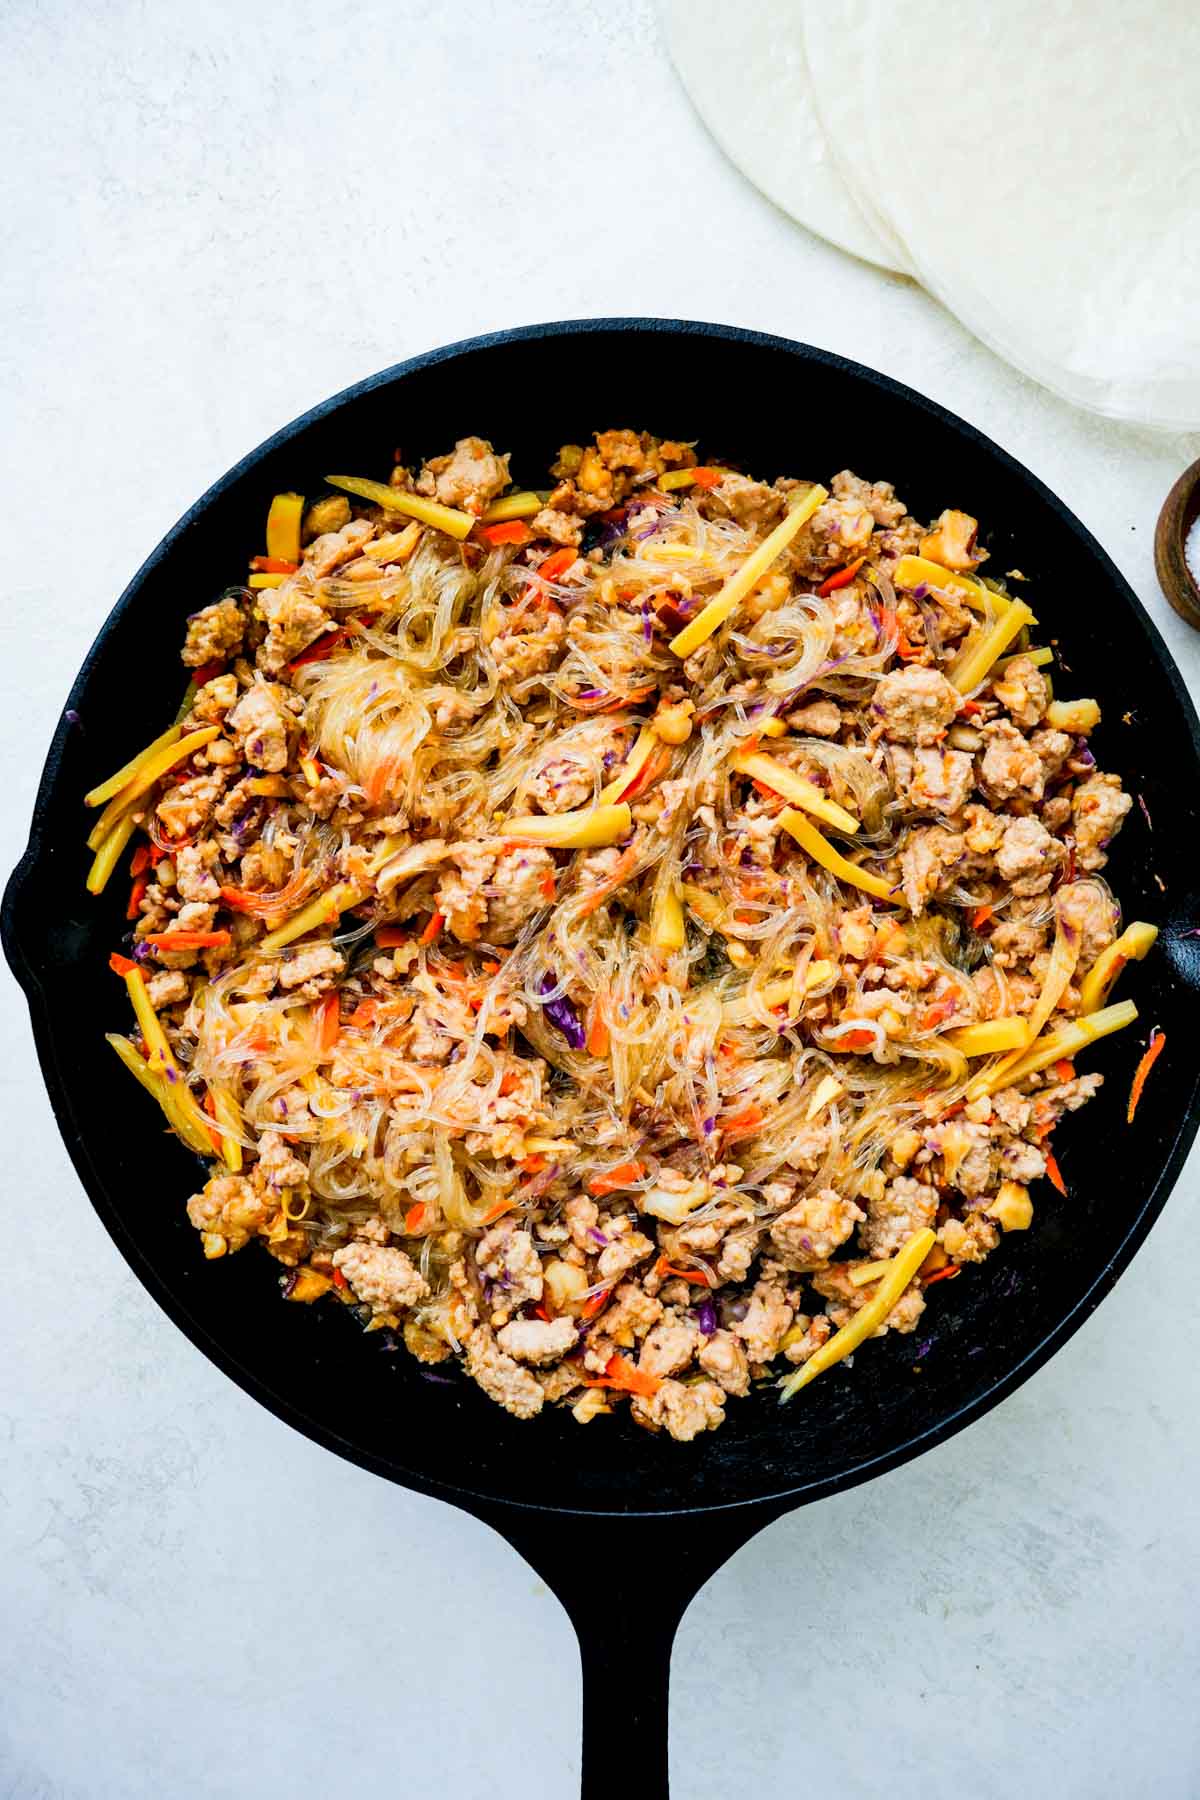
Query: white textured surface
pixel 215 215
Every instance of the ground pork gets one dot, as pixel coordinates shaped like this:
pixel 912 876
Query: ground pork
pixel 684 1408
pixel 277 1168
pixel 670 1346
pixel 843 1300
pixel 969 1240
pixel 213 700
pixel 1009 769
pixel 631 1314
pixel 490 894
pixel 1048 1106
pixel 168 989
pixel 528 647
pixel 568 779
pixel 334 548
pixel 186 808
pixel 1052 748
pixel 767 1318
pixel 933 780
pixel 928 859
pixel 294 621
pixel 904 1207
pixel 914 706
pixel 1022 691
pixel 382 1277
pixel 622 1252
pixel 1089 908
pixel 806 1337
pixel 1028 858
pixel 538 1341
pixel 724 1358
pixel 806 1236
pixel 750 503
pixel 1021 932
pixel 229 1208
pixel 562 528
pixel 877 497
pixel 314 968
pixel 1099 807
pixel 260 723
pixel 214 634
pixel 501 1377
pixel 820 718
pixel 469 476
pixel 506 1258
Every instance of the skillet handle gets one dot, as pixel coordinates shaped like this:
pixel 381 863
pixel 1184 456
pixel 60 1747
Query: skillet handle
pixel 626 1584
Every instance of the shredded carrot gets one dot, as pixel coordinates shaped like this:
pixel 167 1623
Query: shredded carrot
pixel 906 651
pixel 508 1082
pixel 558 564
pixel 141 860
pixel 707 478
pixel 137 894
pixel 842 578
pixel 597 1032
pixel 1054 1175
pixel 511 531
pixel 1064 1069
pixel 273 565
pixel 328 1023
pixel 318 650
pixel 413 1217
pixel 389 937
pixel 591 1307
pixel 1153 1052
pixel 665 1267
pixel 619 1372
pixel 186 940
pixel 207 672
pixel 603 889
pixel 493 1212
pixel 980 916
pixel 533 1165
pixel 857 1040
pixel 935 1014
pixel 970 707
pixel 431 931
pixel 547 887
pixel 121 965
pixel 946 1274
pixel 365 1013
pixel 746 1121
pixel 623 1176
pixel 339 1280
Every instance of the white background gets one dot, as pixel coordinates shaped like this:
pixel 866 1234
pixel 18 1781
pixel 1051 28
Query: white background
pixel 215 215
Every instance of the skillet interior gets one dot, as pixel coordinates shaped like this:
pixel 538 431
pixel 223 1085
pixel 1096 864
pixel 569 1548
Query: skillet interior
pixel 779 408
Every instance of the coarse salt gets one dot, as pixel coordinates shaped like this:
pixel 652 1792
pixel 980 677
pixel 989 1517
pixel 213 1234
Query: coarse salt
pixel 1191 549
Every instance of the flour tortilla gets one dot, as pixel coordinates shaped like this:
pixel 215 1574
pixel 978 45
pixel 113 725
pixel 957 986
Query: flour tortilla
pixel 745 73
pixel 1040 162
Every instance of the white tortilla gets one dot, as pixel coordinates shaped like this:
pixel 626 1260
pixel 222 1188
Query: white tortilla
pixel 745 73
pixel 1040 161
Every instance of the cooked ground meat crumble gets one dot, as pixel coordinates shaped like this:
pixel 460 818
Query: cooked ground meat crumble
pixel 630 937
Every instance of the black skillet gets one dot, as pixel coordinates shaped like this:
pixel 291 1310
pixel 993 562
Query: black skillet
pixel 668 1514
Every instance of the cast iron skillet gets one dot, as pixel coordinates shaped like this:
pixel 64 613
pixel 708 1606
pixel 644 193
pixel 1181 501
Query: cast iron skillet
pixel 672 1512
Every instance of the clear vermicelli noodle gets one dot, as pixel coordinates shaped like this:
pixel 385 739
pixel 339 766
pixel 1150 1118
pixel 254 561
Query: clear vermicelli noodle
pixel 619 936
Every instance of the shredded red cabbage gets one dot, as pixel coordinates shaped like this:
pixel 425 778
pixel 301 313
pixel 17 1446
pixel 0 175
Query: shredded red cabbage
pixel 561 1014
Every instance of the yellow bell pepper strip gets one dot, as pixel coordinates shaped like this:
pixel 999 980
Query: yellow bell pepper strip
pixel 773 728
pixel 283 527
pixel 266 581
pixel 774 993
pixel 132 768
pixel 684 478
pixel 449 519
pixel 1135 942
pixel 790 786
pixel 828 1089
pixel 590 829
pixel 631 768
pixel 969 668
pixel 667 928
pixel 225 1112
pixel 1066 1041
pixel 866 1273
pixel 151 770
pixel 1039 658
pixel 512 506
pixel 868 1319
pixel 322 911
pixel 989 1037
pixel 177 1100
pixel 714 615
pixel 1076 716
pixel 1060 967
pixel 822 851
pixel 186 1126
pixel 109 854
pixel 918 571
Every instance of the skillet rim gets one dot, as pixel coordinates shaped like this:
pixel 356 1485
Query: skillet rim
pixel 482 1503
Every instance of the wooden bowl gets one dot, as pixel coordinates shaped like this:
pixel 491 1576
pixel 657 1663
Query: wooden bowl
pixel 1176 577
